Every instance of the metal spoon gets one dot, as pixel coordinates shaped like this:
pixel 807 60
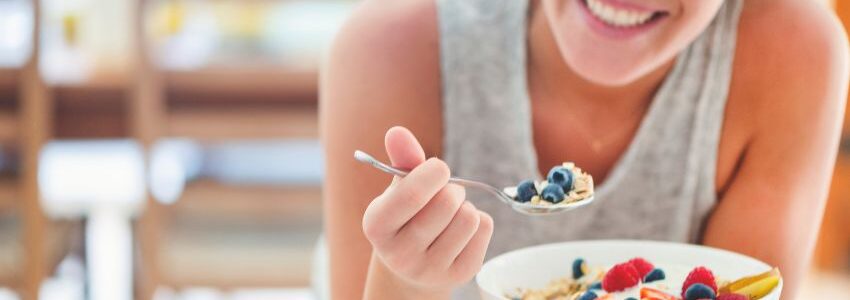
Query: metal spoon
pixel 522 207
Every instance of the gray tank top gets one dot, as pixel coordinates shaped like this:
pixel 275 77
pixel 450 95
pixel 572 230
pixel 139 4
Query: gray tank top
pixel 662 188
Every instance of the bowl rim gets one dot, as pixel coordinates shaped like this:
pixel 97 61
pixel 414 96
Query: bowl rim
pixel 619 243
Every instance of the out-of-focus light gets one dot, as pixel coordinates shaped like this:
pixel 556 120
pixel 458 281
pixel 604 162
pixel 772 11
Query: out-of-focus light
pixel 172 163
pixel 7 294
pixel 164 293
pixel 201 293
pixel 302 30
pixel 184 34
pixel 16 25
pixel 109 251
pixel 75 176
pixel 68 282
pixel 266 162
pixel 272 294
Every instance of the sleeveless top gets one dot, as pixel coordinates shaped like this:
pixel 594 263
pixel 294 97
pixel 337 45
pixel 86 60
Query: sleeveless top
pixel 661 188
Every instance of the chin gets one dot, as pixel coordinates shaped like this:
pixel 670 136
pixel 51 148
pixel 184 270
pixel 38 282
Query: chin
pixel 624 40
pixel 608 72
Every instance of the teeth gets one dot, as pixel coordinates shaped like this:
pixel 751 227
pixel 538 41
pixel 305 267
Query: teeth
pixel 616 16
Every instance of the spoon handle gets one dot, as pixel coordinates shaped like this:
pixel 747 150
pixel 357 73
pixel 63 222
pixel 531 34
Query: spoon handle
pixel 366 158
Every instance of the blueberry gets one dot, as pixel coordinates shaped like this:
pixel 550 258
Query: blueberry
pixel 553 193
pixel 561 176
pixel 579 267
pixel 525 191
pixel 631 298
pixel 595 286
pixel 587 296
pixel 699 291
pixel 654 275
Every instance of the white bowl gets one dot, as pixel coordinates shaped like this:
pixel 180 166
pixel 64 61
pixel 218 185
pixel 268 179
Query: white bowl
pixel 535 267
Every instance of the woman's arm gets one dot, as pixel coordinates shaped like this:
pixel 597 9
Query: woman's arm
pixel 796 77
pixel 382 71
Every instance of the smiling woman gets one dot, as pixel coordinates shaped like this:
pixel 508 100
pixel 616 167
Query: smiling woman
pixel 698 120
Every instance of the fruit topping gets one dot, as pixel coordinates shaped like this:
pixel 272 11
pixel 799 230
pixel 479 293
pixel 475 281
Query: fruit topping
pixel 654 294
pixel 699 291
pixel 553 193
pixel 561 176
pixel 587 296
pixel 732 297
pixel 620 277
pixel 700 275
pixel 654 275
pixel 642 266
pixel 525 191
pixel 579 268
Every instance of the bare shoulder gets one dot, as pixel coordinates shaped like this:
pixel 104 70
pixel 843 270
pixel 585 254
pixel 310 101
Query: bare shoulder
pixel 789 46
pixel 789 80
pixel 384 67
pixel 791 63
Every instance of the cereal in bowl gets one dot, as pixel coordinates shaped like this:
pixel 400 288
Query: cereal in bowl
pixel 640 279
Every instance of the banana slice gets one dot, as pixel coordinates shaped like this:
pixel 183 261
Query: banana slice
pixel 746 281
pixel 760 288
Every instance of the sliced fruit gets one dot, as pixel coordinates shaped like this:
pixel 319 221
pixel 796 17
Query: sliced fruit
pixel 653 294
pixel 759 289
pixel 732 297
pixel 741 283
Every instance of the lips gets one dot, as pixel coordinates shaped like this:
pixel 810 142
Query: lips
pixel 619 19
pixel 618 16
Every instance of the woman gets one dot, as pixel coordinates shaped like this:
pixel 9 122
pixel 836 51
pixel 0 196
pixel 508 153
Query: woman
pixel 712 122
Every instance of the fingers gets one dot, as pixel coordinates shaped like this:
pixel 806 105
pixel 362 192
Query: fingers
pixel 403 148
pixel 393 209
pixel 470 259
pixel 456 235
pixel 427 225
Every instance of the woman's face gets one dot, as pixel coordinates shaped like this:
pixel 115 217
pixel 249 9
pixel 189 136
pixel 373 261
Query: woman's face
pixel 615 42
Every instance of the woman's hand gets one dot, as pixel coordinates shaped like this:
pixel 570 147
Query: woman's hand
pixel 421 228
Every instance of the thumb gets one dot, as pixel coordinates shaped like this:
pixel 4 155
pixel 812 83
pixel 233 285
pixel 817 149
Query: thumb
pixel 403 148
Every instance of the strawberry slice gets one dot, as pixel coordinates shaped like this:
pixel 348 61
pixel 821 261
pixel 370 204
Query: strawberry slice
pixel 653 294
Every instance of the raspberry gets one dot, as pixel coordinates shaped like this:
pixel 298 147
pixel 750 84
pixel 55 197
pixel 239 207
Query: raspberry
pixel 642 266
pixel 699 275
pixel 620 277
pixel 732 297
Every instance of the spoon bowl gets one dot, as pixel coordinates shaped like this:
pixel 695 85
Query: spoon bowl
pixel 526 208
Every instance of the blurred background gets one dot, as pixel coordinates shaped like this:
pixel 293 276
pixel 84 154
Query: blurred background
pixel 167 149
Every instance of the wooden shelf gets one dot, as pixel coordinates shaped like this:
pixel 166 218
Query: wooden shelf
pixel 9 78
pixel 229 236
pixel 101 81
pixel 9 196
pixel 243 123
pixel 222 83
pixel 191 258
pixel 215 200
pixel 8 127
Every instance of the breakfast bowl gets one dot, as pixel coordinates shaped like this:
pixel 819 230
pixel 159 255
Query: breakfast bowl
pixel 508 275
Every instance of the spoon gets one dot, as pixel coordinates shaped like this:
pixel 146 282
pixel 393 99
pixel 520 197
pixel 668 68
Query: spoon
pixel 523 207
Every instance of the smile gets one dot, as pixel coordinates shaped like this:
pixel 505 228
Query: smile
pixel 620 15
